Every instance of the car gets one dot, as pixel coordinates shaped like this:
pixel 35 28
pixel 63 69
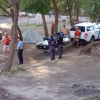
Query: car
pixel 22 14
pixel 44 44
pixel 89 31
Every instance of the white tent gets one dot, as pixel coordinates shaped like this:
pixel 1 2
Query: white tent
pixel 30 36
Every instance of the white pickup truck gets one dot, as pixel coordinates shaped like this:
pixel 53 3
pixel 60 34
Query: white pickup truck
pixel 89 31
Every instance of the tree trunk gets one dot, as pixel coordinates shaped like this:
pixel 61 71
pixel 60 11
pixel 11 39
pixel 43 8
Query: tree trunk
pixel 89 47
pixel 77 17
pixel 71 20
pixel 13 40
pixel 12 16
pixel 19 32
pixel 45 25
pixel 56 15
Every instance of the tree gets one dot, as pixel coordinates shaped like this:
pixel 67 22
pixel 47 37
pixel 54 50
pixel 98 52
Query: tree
pixel 68 7
pixel 72 8
pixel 89 47
pixel 56 15
pixel 14 8
pixel 40 6
pixel 3 7
pixel 92 7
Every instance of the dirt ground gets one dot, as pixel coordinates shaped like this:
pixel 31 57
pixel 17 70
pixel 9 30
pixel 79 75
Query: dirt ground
pixel 44 79
pixel 72 78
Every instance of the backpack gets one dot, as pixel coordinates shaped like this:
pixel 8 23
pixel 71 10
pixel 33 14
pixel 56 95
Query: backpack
pixel 6 40
pixel 0 36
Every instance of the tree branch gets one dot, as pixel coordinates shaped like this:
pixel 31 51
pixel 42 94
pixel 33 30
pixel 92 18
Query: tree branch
pixel 5 10
pixel 54 4
pixel 11 3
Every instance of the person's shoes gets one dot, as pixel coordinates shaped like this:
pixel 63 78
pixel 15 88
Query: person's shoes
pixel 52 58
pixel 59 57
pixel 20 63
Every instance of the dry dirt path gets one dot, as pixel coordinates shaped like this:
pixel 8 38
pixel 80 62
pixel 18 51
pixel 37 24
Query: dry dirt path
pixel 53 80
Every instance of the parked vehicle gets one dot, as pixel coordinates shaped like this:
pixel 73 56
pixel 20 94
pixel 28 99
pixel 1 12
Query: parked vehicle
pixel 22 14
pixel 89 31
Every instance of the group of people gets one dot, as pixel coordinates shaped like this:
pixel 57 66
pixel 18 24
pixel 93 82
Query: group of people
pixel 52 44
pixel 6 46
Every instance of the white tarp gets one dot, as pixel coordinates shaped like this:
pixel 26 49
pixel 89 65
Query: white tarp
pixel 30 36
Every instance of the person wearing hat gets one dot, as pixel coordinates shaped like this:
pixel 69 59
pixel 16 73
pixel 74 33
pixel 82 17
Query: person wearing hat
pixel 20 51
pixel 52 44
pixel 60 46
pixel 6 42
pixel 77 35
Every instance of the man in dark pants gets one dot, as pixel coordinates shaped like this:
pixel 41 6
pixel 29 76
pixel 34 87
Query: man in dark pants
pixel 52 43
pixel 60 46
pixel 20 51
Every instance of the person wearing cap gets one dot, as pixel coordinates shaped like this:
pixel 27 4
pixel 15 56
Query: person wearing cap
pixel 20 51
pixel 52 44
pixel 65 31
pixel 77 35
pixel 6 42
pixel 60 46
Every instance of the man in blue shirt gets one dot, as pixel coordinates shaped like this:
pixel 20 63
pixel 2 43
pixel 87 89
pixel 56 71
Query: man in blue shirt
pixel 52 43
pixel 20 51
pixel 60 46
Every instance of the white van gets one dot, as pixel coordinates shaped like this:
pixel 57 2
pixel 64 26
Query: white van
pixel 89 31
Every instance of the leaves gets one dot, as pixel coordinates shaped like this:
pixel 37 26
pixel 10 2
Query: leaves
pixel 36 6
pixel 92 7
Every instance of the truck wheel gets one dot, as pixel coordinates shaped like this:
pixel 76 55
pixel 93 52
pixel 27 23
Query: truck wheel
pixel 92 39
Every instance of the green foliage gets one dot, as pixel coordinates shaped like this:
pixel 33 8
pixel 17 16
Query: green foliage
pixel 92 7
pixel 63 20
pixel 18 69
pixel 36 6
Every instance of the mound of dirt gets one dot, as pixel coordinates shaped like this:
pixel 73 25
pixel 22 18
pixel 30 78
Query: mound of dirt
pixel 5 95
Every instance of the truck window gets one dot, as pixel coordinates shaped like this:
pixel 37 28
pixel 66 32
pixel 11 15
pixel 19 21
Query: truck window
pixel 99 25
pixel 96 26
pixel 82 28
pixel 90 28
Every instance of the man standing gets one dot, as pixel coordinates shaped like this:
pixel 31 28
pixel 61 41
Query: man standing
pixel 65 31
pixel 60 46
pixel 6 43
pixel 20 51
pixel 77 35
pixel 52 43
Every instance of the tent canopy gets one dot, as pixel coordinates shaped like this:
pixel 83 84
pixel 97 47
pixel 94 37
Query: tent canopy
pixel 30 36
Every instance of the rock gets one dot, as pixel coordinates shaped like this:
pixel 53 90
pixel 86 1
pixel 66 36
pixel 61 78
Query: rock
pixel 86 85
pixel 93 86
pixel 6 95
pixel 74 86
